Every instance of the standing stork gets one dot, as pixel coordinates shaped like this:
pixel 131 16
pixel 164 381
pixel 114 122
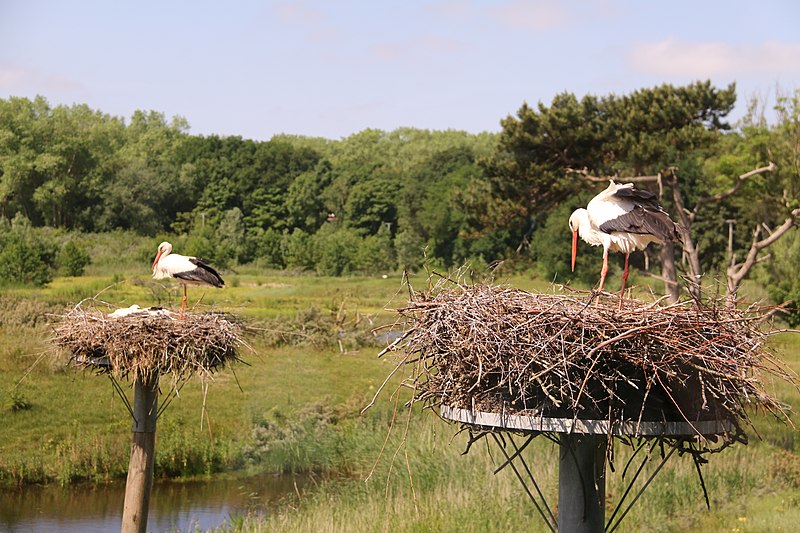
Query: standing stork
pixel 622 219
pixel 188 270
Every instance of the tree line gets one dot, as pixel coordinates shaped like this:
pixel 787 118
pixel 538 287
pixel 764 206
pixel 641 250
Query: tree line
pixel 378 201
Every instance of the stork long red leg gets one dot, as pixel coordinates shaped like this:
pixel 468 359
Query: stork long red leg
pixel 624 279
pixel 183 303
pixel 604 270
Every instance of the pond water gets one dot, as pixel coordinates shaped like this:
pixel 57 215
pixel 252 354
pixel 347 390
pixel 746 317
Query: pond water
pixel 181 506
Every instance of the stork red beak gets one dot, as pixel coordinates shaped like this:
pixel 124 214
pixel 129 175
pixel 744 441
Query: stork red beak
pixel 155 261
pixel 574 248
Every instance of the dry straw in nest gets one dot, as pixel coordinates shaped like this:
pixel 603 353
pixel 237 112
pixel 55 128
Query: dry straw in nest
pixel 497 349
pixel 146 343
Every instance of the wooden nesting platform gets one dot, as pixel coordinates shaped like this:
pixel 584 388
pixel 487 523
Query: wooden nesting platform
pixel 496 357
pixel 139 343
pixel 543 424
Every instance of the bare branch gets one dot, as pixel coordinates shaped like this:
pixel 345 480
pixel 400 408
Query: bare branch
pixel 584 174
pixel 783 228
pixel 737 272
pixel 721 196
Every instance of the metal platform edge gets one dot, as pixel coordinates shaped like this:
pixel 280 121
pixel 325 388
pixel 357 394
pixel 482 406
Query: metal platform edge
pixel 583 426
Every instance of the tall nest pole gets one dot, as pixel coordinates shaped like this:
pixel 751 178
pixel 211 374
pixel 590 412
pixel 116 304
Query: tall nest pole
pixel 141 345
pixel 506 363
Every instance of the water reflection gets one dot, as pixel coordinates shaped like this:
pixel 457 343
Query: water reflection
pixel 174 506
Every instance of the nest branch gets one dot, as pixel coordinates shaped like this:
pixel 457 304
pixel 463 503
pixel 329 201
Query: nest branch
pixel 497 349
pixel 147 343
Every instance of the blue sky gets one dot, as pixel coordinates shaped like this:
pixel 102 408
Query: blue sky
pixel 333 68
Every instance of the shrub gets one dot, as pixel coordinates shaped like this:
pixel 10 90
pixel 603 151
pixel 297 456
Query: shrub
pixel 298 249
pixel 232 245
pixel 780 277
pixel 337 252
pixel 72 259
pixel 27 255
pixel 18 402
pixel 24 262
pixel 376 253
pixel 202 243
pixel 410 249
pixel 269 248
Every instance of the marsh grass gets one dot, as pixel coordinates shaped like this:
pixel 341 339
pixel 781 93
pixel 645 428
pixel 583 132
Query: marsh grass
pixel 86 429
pixel 296 408
pixel 439 489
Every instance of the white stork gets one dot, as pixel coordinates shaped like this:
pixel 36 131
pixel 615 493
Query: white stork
pixel 188 270
pixel 622 219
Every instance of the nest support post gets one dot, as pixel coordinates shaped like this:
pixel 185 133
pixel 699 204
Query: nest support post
pixel 501 360
pixel 583 446
pixel 581 483
pixel 143 447
pixel 139 345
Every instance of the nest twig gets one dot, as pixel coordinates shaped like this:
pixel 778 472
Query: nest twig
pixel 497 349
pixel 143 344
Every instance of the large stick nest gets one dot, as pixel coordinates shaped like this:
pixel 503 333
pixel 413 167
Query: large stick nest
pixel 501 350
pixel 139 345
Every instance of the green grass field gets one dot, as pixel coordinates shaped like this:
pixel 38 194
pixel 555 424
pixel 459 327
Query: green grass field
pixel 296 407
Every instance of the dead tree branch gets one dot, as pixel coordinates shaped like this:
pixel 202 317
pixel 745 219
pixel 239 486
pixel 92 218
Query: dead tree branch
pixel 730 192
pixel 737 271
pixel 584 174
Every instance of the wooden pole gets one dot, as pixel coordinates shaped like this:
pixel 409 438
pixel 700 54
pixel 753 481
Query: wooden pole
pixel 143 447
pixel 581 483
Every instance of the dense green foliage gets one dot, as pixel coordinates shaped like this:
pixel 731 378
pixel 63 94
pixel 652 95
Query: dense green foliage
pixel 26 256
pixel 641 133
pixel 377 201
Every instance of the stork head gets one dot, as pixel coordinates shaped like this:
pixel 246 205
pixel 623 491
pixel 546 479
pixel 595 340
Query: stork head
pixel 163 249
pixel 576 219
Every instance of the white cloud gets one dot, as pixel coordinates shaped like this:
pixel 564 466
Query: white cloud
pixel 313 23
pixel 16 79
pixel 537 15
pixel 419 47
pixel 450 9
pixel 672 57
pixel 12 78
pixel 297 13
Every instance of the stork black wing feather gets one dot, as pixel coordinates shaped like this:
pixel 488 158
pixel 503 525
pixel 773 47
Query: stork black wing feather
pixel 639 197
pixel 645 222
pixel 204 273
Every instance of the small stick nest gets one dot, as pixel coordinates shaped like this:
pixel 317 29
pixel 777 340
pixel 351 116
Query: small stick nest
pixel 501 350
pixel 144 343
